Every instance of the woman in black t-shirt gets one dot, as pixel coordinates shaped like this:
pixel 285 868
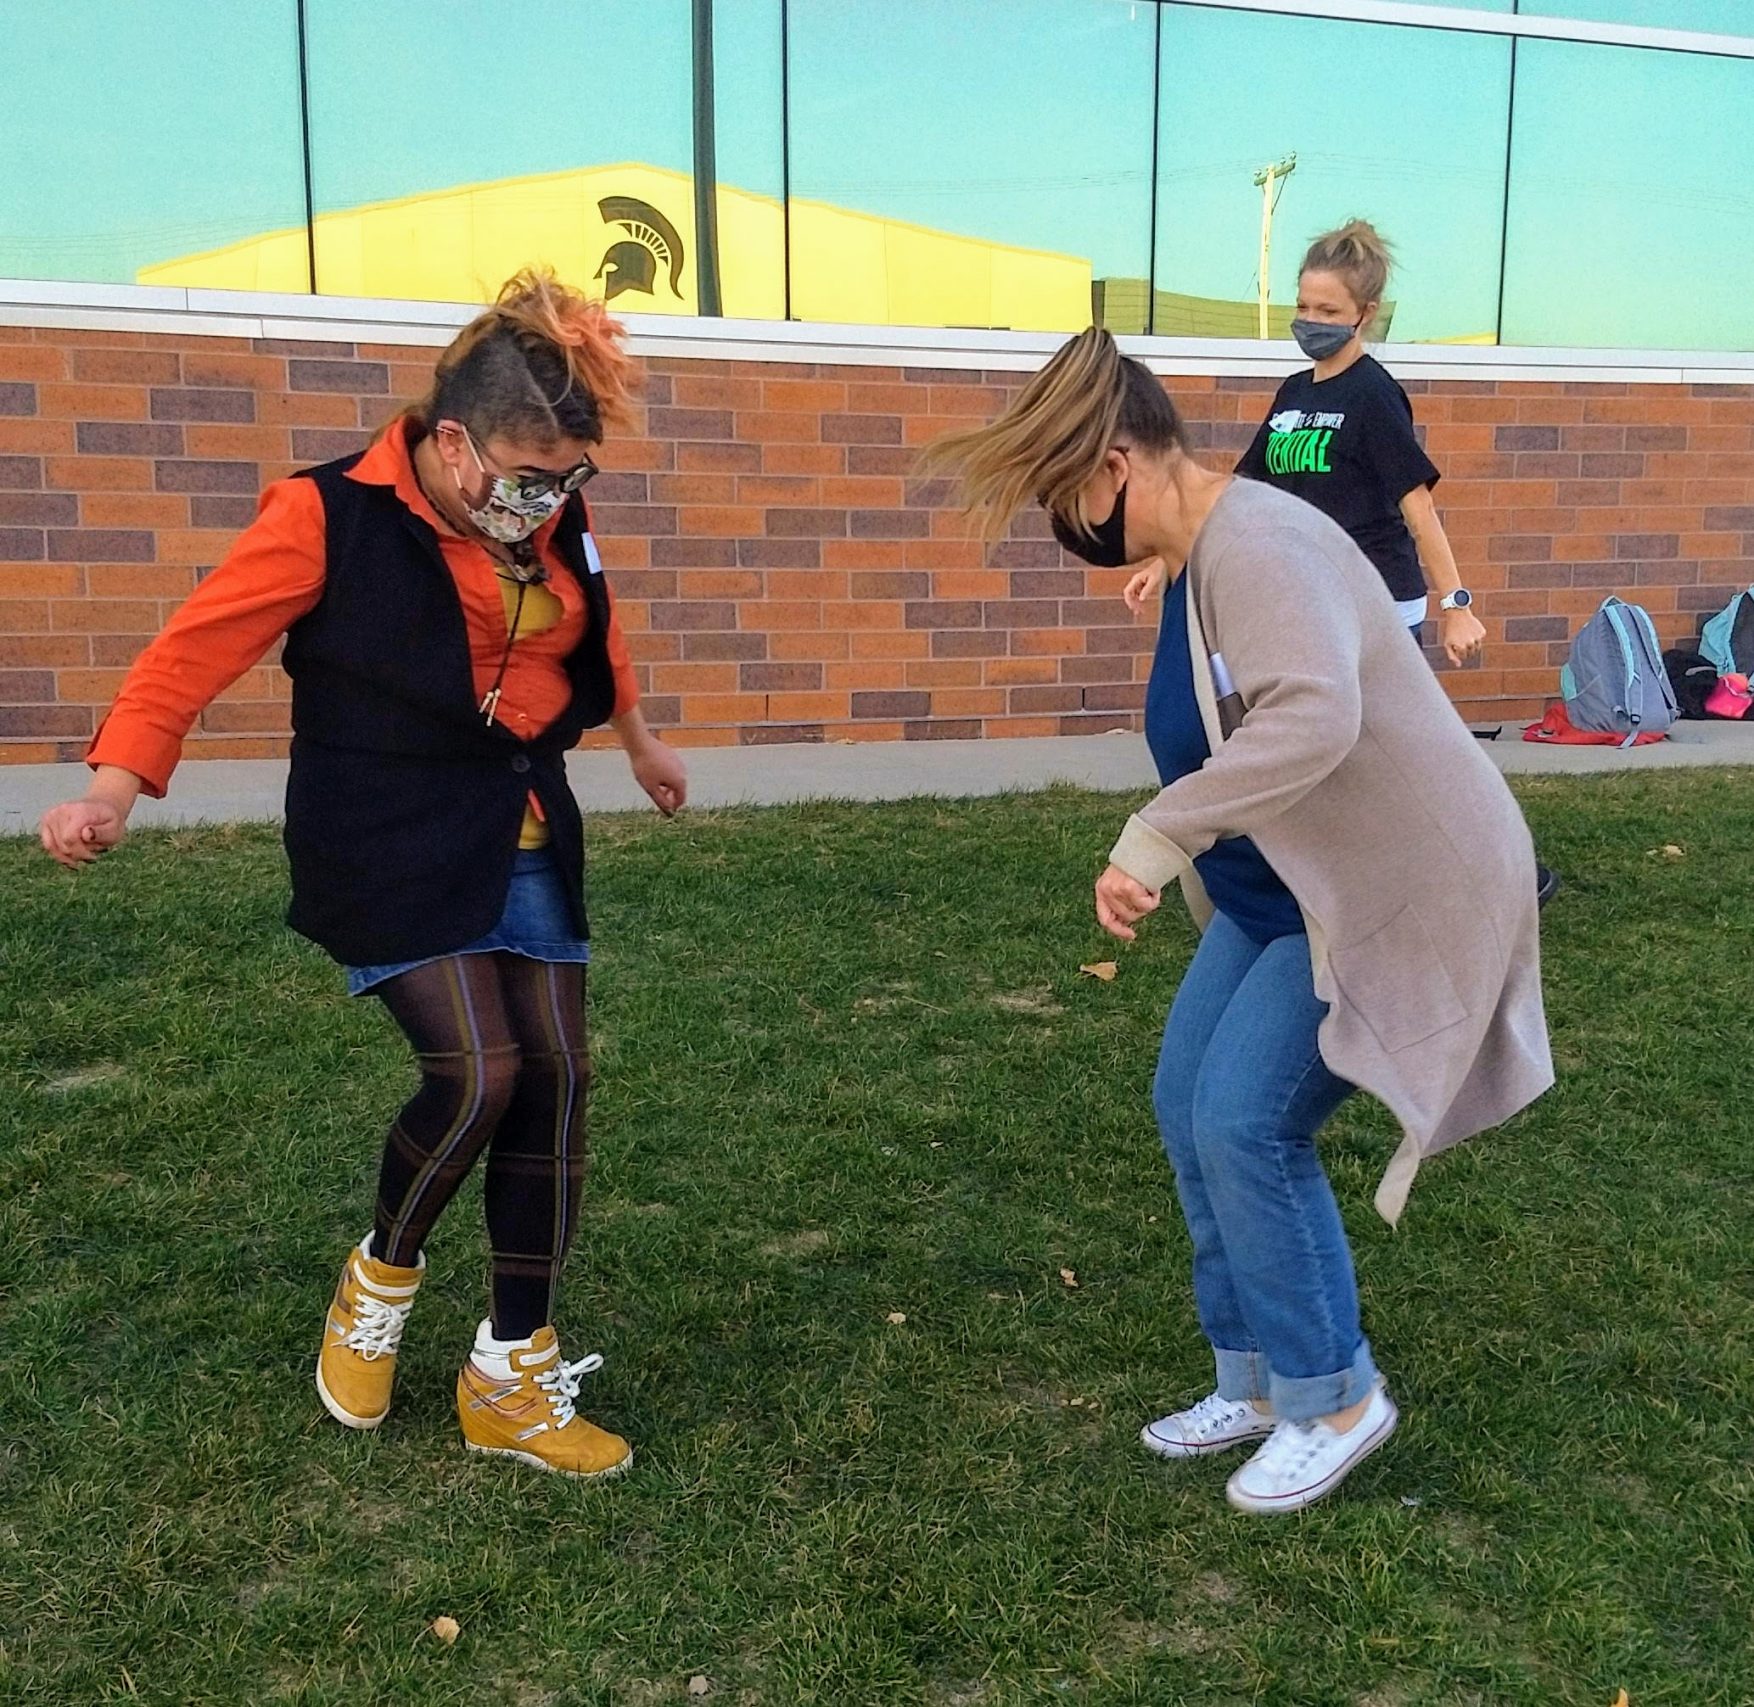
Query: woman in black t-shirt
pixel 1340 436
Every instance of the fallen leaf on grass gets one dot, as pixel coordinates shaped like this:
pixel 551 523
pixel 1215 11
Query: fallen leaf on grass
pixel 1068 1277
pixel 447 1630
pixel 895 1318
pixel 1669 850
pixel 700 1684
pixel 1103 969
pixel 83 1078
pixel 1621 1701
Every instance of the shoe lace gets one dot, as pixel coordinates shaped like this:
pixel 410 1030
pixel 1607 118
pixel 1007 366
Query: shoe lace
pixel 1291 1446
pixel 377 1326
pixel 561 1384
pixel 1208 1416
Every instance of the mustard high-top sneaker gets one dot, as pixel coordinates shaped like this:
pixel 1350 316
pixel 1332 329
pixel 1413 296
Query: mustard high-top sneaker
pixel 517 1401
pixel 357 1366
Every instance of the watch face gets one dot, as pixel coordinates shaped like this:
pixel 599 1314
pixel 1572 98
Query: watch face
pixel 1460 599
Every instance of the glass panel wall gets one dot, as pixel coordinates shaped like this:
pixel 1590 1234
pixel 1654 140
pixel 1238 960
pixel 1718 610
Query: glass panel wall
pixel 949 172
pixel 1630 233
pixel 452 143
pixel 748 103
pixel 910 163
pixel 1299 124
pixel 137 139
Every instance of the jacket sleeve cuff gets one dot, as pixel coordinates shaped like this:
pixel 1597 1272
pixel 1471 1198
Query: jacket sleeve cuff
pixel 1148 857
pixel 150 754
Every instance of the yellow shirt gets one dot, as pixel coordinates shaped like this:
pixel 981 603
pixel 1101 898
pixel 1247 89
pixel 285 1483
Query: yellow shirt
pixel 542 610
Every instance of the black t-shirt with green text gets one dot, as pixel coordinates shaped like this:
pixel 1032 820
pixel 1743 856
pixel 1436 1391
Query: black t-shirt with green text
pixel 1346 445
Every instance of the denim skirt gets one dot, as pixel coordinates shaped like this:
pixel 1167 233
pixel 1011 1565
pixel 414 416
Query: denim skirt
pixel 536 923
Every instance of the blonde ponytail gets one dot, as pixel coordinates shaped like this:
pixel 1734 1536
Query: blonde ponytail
pixel 1052 439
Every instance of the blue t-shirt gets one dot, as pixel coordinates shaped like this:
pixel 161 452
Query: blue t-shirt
pixel 1238 879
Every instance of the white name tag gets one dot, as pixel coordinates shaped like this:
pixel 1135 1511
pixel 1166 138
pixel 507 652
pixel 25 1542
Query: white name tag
pixel 1221 677
pixel 592 560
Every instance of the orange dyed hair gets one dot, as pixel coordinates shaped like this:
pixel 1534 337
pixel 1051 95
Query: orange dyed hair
pixel 545 362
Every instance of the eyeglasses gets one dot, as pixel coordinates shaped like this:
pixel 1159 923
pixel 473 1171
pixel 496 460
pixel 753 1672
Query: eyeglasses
pixel 537 483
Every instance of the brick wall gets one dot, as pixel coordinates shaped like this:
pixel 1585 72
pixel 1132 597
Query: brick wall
pixel 783 575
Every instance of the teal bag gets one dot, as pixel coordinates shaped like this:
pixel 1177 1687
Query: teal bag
pixel 1727 640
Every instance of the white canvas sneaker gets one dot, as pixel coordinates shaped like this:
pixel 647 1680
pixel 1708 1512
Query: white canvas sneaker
pixel 1213 1425
pixel 1302 1461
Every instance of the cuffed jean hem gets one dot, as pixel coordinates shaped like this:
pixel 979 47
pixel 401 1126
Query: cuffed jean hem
pixel 1303 1397
pixel 1243 1375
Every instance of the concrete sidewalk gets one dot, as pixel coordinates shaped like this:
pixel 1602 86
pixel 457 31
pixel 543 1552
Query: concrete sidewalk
pixel 235 790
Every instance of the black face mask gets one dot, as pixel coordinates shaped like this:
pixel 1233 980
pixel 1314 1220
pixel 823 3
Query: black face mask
pixel 1106 546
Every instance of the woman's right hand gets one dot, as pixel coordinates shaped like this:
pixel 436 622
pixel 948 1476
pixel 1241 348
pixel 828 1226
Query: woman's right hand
pixel 1146 583
pixel 1121 902
pixel 82 830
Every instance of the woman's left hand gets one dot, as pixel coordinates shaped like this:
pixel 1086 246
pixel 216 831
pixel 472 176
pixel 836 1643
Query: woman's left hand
pixel 1147 580
pixel 1461 635
pixel 1121 901
pixel 661 773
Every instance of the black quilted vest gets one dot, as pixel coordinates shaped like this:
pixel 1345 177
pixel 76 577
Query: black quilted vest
pixel 403 806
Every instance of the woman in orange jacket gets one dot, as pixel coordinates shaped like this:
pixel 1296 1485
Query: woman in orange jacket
pixel 449 634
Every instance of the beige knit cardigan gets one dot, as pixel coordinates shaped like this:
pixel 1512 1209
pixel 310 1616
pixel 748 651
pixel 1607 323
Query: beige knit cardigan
pixel 1340 756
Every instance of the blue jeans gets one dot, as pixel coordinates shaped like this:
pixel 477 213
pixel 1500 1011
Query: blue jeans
pixel 1241 1091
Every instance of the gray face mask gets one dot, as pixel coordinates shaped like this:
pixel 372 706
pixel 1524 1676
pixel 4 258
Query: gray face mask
pixel 1319 339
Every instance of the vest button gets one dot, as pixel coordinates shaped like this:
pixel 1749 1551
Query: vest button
pixel 520 764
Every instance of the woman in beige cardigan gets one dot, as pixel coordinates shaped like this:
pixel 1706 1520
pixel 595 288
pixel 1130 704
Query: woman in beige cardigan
pixel 1362 877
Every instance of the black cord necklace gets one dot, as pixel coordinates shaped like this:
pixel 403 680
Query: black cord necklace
pixel 490 704
pixel 520 565
pixel 525 570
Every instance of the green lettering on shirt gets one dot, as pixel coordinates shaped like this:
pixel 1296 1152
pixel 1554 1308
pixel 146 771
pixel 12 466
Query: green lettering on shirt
pixel 1304 451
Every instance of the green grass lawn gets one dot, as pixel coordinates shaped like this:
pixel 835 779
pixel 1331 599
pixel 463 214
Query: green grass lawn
pixel 848 1069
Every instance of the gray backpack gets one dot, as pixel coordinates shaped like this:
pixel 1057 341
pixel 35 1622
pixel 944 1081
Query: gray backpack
pixel 1614 682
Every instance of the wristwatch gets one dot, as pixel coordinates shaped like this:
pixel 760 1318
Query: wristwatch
pixel 1460 599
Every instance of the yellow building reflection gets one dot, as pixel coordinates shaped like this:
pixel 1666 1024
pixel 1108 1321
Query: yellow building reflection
pixel 629 229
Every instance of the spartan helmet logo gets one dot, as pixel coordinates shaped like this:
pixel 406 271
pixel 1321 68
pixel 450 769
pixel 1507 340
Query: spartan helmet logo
pixel 651 241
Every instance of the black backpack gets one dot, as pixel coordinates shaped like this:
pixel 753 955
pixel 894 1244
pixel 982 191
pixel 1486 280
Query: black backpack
pixel 1692 676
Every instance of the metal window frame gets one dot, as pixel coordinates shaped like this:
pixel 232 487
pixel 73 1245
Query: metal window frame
pixel 1470 20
